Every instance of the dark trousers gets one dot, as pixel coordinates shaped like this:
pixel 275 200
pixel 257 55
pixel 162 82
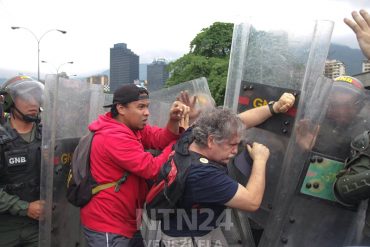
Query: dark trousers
pixel 18 231
pixel 106 239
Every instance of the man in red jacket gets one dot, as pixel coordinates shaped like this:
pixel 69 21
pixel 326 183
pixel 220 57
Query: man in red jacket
pixel 112 217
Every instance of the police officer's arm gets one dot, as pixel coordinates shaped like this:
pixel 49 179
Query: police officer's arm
pixel 258 115
pixel 177 112
pixel 12 204
pixel 15 206
pixel 361 27
pixel 249 197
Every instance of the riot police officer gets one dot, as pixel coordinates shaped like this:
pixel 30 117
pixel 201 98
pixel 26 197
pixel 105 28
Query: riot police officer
pixel 20 158
pixel 344 118
pixel 352 183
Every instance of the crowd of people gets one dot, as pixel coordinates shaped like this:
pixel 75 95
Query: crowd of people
pixel 122 138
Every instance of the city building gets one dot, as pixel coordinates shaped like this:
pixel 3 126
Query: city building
pixel 124 66
pixel 143 74
pixel 98 79
pixel 334 68
pixel 365 65
pixel 157 74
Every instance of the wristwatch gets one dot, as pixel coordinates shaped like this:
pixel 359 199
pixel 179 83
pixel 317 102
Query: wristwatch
pixel 271 108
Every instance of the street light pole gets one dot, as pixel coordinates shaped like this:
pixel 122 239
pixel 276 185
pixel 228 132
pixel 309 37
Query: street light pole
pixel 71 62
pixel 58 68
pixel 38 44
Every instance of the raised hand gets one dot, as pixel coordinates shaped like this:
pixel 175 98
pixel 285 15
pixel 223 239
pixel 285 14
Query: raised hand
pixel 361 27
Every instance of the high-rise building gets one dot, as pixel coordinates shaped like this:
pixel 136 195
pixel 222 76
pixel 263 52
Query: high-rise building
pixel 366 66
pixel 334 68
pixel 143 71
pixel 157 74
pixel 124 66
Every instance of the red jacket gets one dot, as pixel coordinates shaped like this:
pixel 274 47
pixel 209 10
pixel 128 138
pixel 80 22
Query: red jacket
pixel 116 149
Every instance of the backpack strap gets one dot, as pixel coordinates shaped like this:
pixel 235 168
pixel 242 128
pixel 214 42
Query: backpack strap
pixel 104 186
pixel 182 145
pixel 99 187
pixel 117 184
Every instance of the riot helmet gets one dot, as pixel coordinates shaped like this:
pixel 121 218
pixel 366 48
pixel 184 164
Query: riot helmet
pixel 26 91
pixel 346 99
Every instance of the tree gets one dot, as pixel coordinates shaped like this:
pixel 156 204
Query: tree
pixel 209 57
pixel 214 41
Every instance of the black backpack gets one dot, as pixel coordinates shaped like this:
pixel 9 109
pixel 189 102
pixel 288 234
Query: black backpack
pixel 169 186
pixel 81 186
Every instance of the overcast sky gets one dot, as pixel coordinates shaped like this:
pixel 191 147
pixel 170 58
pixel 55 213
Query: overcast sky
pixel 151 29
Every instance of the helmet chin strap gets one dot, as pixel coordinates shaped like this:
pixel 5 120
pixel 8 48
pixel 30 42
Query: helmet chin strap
pixel 28 118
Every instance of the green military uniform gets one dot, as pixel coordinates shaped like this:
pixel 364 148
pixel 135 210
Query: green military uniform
pixel 15 226
pixel 353 183
pixel 17 188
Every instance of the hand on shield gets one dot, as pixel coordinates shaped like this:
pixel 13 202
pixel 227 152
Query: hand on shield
pixel 361 27
pixel 258 152
pixel 178 111
pixel 184 122
pixel 285 102
pixel 306 134
pixel 35 209
pixel 190 101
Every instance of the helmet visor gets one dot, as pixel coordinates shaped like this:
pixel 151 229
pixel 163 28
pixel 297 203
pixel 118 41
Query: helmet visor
pixel 29 91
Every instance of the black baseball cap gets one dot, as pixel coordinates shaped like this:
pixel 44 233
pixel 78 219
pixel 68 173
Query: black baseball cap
pixel 128 93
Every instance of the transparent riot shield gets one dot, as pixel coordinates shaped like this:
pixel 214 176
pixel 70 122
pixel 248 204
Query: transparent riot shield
pixel 160 104
pixel 97 100
pixel 264 63
pixel 68 108
pixel 161 100
pixel 311 213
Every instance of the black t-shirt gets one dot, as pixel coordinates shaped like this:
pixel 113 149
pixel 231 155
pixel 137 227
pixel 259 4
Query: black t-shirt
pixel 208 187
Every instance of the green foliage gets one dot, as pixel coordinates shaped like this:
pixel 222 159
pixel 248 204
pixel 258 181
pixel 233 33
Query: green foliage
pixel 208 57
pixel 214 41
pixel 188 67
pixel 217 79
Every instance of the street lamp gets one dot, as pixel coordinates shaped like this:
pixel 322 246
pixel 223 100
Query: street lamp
pixel 38 44
pixel 57 68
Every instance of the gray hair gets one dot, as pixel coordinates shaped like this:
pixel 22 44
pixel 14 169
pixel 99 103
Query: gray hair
pixel 220 123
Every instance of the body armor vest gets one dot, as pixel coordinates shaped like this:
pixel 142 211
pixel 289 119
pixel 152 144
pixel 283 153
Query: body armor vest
pixel 20 163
